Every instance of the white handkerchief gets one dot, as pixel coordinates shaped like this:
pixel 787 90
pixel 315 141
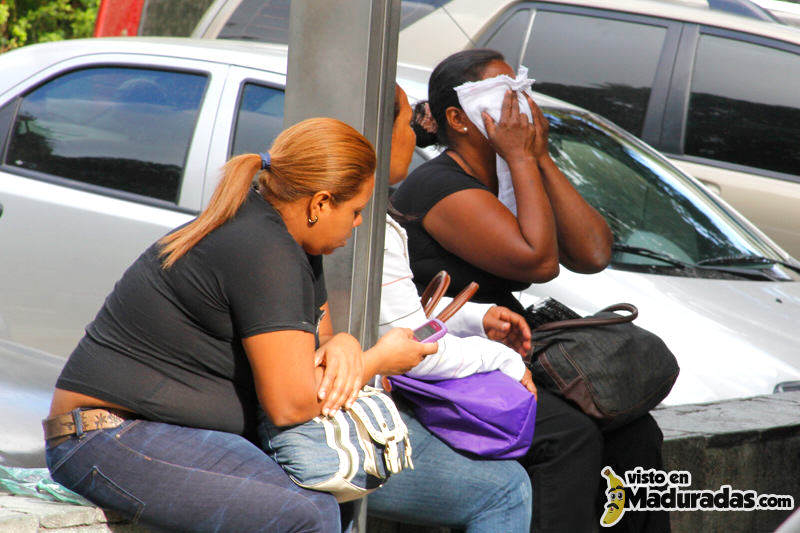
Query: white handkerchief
pixel 487 95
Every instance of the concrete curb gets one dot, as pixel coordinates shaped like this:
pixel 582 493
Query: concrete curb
pixel 749 444
pixel 29 515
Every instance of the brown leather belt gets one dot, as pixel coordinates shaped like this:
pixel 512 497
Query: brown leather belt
pixel 59 428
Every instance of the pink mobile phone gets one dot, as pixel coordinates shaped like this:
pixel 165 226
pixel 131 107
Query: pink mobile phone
pixel 430 331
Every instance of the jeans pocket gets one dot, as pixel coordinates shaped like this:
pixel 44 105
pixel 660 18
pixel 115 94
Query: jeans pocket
pixel 101 490
pixel 56 457
pixel 126 426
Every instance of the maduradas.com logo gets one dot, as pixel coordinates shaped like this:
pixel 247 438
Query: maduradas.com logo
pixel 656 490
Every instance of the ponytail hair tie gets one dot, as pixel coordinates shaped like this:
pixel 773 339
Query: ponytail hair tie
pixel 265 160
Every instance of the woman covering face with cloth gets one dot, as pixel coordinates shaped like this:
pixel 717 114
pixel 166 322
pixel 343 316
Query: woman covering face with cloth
pixel 448 488
pixel 455 222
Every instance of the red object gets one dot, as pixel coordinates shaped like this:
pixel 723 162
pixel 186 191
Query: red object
pixel 118 17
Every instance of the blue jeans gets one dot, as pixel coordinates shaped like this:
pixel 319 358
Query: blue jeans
pixel 188 479
pixel 449 489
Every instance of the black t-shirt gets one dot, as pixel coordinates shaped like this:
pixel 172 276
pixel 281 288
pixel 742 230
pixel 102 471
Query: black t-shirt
pixel 431 182
pixel 167 343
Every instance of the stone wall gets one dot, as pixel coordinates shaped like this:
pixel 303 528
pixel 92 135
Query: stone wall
pixel 750 444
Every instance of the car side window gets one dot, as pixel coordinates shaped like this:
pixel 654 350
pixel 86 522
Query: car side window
pixel 604 65
pixel 744 106
pixel 125 129
pixel 259 119
pixel 509 37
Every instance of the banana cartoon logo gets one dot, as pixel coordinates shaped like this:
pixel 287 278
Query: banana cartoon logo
pixel 615 493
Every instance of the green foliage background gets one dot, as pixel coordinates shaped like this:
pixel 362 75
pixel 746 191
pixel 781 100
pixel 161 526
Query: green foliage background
pixel 34 21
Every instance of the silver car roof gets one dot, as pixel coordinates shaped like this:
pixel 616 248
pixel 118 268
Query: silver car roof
pixel 29 60
pixel 697 11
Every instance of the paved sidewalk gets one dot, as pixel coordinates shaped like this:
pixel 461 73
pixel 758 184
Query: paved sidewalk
pixel 20 514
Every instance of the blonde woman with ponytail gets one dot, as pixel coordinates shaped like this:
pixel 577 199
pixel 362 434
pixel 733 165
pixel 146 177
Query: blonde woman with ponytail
pixel 153 411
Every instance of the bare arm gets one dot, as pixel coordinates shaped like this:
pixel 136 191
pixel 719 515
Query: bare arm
pixel 475 226
pixel 584 238
pixel 325 324
pixel 341 360
pixel 288 379
pixel 347 369
pixel 286 384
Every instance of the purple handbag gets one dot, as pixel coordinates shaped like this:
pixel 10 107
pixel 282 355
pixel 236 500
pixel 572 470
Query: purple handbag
pixel 489 414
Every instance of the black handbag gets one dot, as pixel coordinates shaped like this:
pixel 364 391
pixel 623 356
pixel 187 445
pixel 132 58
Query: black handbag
pixel 613 370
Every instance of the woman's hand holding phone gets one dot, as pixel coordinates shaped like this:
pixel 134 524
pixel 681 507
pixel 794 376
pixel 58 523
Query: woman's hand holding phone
pixel 432 330
pixel 398 351
pixel 346 368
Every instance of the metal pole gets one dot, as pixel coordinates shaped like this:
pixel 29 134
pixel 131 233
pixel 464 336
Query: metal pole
pixel 342 64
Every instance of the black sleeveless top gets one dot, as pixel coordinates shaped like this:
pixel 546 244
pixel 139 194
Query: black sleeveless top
pixel 426 186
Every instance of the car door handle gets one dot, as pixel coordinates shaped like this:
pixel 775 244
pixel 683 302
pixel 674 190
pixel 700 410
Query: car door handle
pixel 712 186
pixel 1 210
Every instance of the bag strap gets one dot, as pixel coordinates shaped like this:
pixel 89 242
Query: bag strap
pixel 384 435
pixel 431 296
pixel 434 292
pixel 593 320
pixel 458 302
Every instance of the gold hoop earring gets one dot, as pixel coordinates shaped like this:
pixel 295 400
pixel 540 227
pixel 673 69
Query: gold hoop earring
pixel 312 222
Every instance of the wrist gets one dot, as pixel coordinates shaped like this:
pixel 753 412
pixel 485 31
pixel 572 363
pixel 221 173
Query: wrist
pixel 344 339
pixel 522 162
pixel 344 336
pixel 520 157
pixel 485 316
pixel 545 161
pixel 373 364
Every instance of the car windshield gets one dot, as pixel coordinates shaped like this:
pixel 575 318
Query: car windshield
pixel 660 219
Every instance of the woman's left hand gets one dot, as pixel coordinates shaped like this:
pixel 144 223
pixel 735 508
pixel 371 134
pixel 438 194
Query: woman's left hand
pixel 504 325
pixel 343 363
pixel 542 129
